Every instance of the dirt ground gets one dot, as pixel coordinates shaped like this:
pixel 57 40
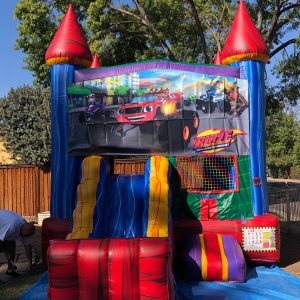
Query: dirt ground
pixel 290 251
pixel 21 260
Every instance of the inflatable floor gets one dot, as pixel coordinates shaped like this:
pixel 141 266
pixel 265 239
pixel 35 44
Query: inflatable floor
pixel 261 284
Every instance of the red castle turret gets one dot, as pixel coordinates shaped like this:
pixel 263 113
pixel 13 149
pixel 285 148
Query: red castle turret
pixel 244 42
pixel 69 45
pixel 95 63
pixel 218 59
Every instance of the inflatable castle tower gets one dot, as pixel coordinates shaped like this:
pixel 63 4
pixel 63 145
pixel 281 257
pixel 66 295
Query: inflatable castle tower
pixel 203 192
pixel 246 49
pixel 67 52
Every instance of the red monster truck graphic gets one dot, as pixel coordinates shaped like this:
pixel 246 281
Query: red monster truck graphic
pixel 152 112
pixel 150 107
pixel 158 116
pixel 229 100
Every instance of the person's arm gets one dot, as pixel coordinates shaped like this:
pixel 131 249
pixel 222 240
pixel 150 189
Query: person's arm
pixel 28 252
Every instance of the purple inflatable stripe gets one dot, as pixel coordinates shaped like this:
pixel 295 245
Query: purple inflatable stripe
pixel 89 74
pixel 193 263
pixel 235 258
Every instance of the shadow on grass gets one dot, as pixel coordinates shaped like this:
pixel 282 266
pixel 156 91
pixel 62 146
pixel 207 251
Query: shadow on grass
pixel 16 287
pixel 290 249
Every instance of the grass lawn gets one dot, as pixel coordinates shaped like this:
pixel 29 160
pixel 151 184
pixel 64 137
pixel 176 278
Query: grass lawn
pixel 16 287
pixel 289 261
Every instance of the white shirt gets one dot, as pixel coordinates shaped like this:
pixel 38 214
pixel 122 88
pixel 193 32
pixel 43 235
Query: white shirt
pixel 10 225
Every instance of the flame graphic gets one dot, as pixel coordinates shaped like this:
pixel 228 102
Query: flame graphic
pixel 169 108
pixel 216 131
pixel 209 132
pixel 236 132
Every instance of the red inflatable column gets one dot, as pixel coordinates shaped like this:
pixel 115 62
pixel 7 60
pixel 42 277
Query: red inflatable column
pixel 53 229
pixel 62 268
pixel 156 280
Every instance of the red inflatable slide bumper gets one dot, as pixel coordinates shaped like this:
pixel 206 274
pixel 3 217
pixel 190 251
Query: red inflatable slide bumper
pixel 53 229
pixel 259 237
pixel 131 269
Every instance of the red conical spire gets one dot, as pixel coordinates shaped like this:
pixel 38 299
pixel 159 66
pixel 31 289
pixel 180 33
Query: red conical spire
pixel 69 45
pixel 95 63
pixel 218 59
pixel 244 42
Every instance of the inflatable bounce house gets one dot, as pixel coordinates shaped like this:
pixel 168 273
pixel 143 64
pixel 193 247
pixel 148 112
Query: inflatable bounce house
pixel 199 213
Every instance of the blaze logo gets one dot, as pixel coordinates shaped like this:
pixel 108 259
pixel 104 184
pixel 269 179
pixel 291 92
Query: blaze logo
pixel 215 140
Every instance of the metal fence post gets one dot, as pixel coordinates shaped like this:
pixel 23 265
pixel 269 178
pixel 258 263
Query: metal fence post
pixel 288 206
pixel 288 210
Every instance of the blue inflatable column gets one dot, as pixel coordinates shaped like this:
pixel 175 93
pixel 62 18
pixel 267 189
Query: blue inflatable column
pixel 254 72
pixel 64 169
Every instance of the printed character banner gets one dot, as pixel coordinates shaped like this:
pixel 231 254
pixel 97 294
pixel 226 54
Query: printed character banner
pixel 159 111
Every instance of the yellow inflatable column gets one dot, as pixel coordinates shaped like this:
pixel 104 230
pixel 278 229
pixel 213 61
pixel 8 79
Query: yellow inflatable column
pixel 158 213
pixel 86 198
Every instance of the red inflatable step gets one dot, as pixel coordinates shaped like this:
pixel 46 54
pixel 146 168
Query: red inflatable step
pixel 258 237
pixel 53 229
pixel 131 269
pixel 62 270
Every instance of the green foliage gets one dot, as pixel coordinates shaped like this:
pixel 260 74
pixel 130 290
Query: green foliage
pixel 183 30
pixel 25 124
pixel 296 148
pixel 175 30
pixel 188 31
pixel 122 90
pixel 275 101
pixel 139 93
pixel 288 73
pixel 39 20
pixel 36 30
pixel 282 143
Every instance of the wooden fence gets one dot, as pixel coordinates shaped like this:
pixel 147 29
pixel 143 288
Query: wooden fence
pixel 128 166
pixel 24 189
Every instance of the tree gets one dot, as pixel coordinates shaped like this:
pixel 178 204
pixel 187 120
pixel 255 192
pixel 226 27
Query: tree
pixel 139 93
pixel 296 156
pixel 188 30
pixel 36 29
pixel 182 30
pixel 282 143
pixel 38 23
pixel 122 90
pixel 287 71
pixel 25 124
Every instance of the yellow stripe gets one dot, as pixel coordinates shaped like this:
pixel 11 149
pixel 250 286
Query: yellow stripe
pixel 158 198
pixel 86 198
pixel 223 258
pixel 249 56
pixel 203 258
pixel 68 60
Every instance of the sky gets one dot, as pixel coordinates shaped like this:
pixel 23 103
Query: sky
pixel 12 73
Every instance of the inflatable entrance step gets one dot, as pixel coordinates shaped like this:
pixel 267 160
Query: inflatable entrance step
pixel 53 229
pixel 131 269
pixel 212 257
